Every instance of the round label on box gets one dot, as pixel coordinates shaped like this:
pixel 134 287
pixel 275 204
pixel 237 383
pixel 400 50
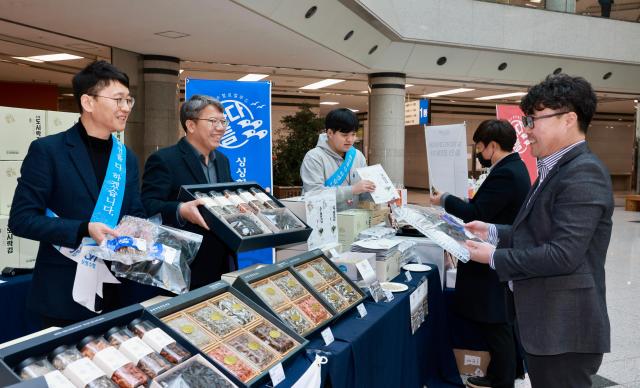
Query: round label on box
pixel 230 360
pixel 274 334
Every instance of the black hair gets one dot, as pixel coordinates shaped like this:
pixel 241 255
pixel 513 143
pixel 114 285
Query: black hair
pixel 499 131
pixel 95 77
pixel 342 119
pixel 562 91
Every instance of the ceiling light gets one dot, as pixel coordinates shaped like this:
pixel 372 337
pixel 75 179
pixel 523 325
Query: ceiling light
pixel 408 85
pixel 329 103
pixel 322 84
pixel 447 92
pixel 497 96
pixel 171 34
pixel 49 58
pixel 364 91
pixel 535 1
pixel 354 110
pixel 67 94
pixel 253 77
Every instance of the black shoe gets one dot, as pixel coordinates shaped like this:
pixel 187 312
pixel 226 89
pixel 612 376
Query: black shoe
pixel 478 382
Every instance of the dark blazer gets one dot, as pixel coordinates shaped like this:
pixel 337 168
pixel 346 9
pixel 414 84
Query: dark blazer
pixel 164 172
pixel 555 254
pixel 479 295
pixel 57 174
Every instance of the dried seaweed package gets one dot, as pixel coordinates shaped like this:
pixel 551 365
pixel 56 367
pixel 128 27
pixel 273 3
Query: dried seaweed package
pixel 196 372
pixel 246 224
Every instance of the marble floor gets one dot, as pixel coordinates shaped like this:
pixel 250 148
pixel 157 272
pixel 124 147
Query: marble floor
pixel 621 367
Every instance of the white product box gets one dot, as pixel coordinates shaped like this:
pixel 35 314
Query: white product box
pixel 347 261
pixel 389 268
pixel 9 173
pixel 18 128
pixel 9 251
pixel 451 275
pixel 60 121
pixel 28 252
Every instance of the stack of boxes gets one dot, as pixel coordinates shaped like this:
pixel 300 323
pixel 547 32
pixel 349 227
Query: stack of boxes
pixel 18 128
pixel 353 221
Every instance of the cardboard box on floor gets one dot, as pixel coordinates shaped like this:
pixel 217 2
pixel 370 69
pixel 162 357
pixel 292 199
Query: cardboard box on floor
pixel 472 362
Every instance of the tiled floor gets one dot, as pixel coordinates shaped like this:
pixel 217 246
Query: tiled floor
pixel 622 365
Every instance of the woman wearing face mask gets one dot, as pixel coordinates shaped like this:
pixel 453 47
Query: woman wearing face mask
pixel 480 296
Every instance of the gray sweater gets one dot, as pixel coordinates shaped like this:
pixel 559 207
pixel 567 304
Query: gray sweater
pixel 321 162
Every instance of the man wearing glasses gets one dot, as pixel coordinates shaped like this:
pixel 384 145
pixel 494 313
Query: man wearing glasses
pixel 62 197
pixel 193 160
pixel 554 253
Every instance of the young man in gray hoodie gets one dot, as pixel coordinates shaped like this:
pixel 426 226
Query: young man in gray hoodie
pixel 334 160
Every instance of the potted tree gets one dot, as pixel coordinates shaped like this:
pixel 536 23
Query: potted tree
pixel 302 130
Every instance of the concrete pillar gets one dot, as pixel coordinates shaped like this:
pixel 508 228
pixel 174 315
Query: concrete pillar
pixel 162 121
pixel 386 123
pixel 131 64
pixel 568 6
pixel 637 162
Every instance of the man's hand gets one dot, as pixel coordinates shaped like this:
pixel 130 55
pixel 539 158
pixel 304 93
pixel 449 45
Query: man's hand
pixel 363 186
pixel 189 212
pixel 479 251
pixel 479 228
pixel 99 231
pixel 436 198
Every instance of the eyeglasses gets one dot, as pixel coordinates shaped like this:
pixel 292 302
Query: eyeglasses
pixel 528 121
pixel 215 123
pixel 121 101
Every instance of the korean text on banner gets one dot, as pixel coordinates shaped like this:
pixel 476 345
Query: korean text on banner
pixel 247 141
pixel 513 114
pixel 447 158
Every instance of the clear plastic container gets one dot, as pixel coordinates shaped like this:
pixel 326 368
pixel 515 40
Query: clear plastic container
pixel 238 202
pixel 32 368
pixel 115 365
pixel 211 204
pixel 264 198
pixel 251 199
pixel 227 205
pixel 141 354
pixel 159 341
pixel 81 371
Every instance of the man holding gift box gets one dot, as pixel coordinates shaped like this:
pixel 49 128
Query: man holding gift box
pixel 193 160
pixel 73 185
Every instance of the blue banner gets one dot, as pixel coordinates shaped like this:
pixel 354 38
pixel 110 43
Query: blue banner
pixel 247 141
pixel 424 112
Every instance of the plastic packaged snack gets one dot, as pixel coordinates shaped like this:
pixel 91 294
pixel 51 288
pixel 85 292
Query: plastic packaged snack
pixel 324 270
pixel 166 264
pixel 187 328
pixel 270 293
pixel 281 219
pixel 332 297
pixel 246 224
pixel 347 291
pixel 79 369
pixel 214 320
pixel 289 285
pixel 232 362
pixel 296 319
pixel 274 337
pixel 33 367
pixel 113 363
pixel 313 309
pixel 141 354
pixel 196 372
pixel 253 350
pixel 235 308
pixel 159 341
pixel 310 275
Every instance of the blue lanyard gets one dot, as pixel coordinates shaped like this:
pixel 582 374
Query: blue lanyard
pixel 343 170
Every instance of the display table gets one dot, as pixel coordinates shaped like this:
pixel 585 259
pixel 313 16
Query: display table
pixel 380 351
pixel 13 301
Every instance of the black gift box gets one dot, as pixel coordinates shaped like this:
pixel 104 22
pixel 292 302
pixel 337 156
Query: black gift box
pixel 243 284
pixel 227 235
pixel 184 301
pixel 306 257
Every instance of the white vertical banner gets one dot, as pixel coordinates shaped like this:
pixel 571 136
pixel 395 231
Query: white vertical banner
pixel 447 158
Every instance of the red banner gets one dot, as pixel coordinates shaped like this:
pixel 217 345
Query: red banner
pixel 513 114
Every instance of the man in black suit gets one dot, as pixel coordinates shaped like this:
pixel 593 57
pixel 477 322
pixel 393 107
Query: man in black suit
pixel 480 296
pixel 66 173
pixel 555 252
pixel 193 160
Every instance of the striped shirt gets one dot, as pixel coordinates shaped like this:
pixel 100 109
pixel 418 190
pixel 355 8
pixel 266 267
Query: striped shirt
pixel 545 165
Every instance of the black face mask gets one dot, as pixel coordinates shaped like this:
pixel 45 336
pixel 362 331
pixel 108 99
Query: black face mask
pixel 486 163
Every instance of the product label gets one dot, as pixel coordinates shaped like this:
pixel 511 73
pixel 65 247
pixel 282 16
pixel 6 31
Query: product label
pixel 223 201
pixel 209 202
pixel 235 200
pixel 127 242
pixel 135 349
pixel 81 372
pixel 389 295
pixel 263 197
pixel 164 253
pixel 247 196
pixel 471 360
pixel 157 339
pixel 362 310
pixel 56 379
pixel 327 336
pixel 277 374
pixel 110 360
pixel 408 275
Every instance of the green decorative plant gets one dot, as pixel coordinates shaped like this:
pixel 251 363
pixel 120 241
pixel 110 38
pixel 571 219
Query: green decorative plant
pixel 301 134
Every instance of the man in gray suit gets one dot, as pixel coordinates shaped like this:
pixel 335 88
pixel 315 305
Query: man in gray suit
pixel 554 253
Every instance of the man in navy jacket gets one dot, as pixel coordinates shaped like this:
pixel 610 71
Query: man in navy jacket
pixel 193 160
pixel 64 173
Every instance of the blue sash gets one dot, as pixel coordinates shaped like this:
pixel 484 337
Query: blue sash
pixel 109 204
pixel 343 170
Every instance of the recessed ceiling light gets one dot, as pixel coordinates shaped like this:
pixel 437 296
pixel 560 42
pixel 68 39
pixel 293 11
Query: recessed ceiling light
pixel 171 34
pixel 497 96
pixel 322 84
pixel 329 103
pixel 364 91
pixel 49 58
pixel 354 110
pixel 253 77
pixel 447 92
pixel 408 85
